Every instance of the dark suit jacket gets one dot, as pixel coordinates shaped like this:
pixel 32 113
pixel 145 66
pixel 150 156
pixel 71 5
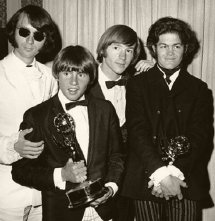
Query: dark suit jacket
pixel 153 112
pixel 104 156
pixel 96 91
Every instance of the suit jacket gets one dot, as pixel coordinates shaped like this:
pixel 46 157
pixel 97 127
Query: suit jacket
pixel 154 114
pixel 104 156
pixel 96 91
pixel 15 98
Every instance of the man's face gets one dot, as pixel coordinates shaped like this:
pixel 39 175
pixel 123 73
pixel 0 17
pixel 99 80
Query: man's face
pixel 117 58
pixel 27 47
pixel 73 84
pixel 169 50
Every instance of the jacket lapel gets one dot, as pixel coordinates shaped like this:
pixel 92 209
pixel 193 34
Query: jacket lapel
pixel 92 113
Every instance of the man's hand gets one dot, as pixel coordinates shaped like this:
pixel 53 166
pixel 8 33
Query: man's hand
pixel 75 172
pixel 171 186
pixel 143 65
pixel 156 190
pixel 102 199
pixel 27 148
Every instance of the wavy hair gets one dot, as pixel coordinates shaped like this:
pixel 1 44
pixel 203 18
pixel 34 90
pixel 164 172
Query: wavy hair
pixel 41 20
pixel 173 25
pixel 118 34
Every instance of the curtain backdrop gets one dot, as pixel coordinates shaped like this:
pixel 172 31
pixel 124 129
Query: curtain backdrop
pixel 84 21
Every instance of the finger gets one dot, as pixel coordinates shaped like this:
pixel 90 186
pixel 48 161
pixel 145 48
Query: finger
pixel 26 131
pixel 183 184
pixel 180 196
pixel 70 160
pixel 29 156
pixel 33 149
pixel 150 184
pixel 34 144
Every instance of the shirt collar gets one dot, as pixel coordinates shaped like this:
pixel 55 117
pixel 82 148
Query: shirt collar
pixel 63 99
pixel 18 63
pixel 173 77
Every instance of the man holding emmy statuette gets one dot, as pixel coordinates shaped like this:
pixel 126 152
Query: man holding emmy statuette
pixel 169 117
pixel 79 170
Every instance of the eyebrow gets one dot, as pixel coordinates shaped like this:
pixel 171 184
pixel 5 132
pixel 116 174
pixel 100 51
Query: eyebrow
pixel 117 43
pixel 167 44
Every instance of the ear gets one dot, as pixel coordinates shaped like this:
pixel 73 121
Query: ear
pixel 154 48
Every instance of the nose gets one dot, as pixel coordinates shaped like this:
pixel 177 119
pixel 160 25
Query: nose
pixel 74 79
pixel 122 54
pixel 170 50
pixel 30 39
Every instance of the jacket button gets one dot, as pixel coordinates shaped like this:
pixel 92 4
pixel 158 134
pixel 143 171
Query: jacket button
pixel 158 112
pixel 179 110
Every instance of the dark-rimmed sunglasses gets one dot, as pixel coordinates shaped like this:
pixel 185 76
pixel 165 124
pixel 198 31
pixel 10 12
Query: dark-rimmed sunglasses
pixel 38 35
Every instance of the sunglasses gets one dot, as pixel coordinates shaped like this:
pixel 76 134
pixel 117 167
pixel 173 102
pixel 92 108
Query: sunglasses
pixel 38 35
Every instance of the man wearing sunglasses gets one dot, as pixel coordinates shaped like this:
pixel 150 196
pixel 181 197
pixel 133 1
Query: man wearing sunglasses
pixel 24 82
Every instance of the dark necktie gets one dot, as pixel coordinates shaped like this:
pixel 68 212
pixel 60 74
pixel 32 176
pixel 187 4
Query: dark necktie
pixel 169 72
pixel 70 105
pixel 28 65
pixel 110 84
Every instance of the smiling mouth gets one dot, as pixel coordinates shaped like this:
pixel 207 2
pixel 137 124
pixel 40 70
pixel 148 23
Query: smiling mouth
pixel 73 90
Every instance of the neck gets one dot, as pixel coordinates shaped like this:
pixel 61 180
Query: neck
pixel 169 72
pixel 109 73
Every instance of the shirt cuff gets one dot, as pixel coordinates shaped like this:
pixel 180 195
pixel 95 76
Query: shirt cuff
pixel 175 172
pixel 12 154
pixel 113 186
pixel 58 182
pixel 159 175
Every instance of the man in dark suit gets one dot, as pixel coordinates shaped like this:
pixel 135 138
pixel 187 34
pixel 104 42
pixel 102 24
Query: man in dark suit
pixel 170 130
pixel 117 52
pixel 97 132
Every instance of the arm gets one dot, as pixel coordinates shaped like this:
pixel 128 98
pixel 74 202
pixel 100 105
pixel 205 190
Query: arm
pixel 115 160
pixel 33 172
pixel 115 153
pixel 199 130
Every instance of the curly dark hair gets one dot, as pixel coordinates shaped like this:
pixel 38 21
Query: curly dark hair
pixel 77 58
pixel 173 25
pixel 118 34
pixel 41 20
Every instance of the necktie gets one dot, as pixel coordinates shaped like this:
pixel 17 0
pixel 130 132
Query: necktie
pixel 169 72
pixel 110 84
pixel 71 105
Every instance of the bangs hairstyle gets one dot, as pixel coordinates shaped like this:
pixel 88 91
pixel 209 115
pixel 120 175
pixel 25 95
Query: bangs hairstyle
pixel 75 58
pixel 121 34
pixel 40 19
pixel 182 29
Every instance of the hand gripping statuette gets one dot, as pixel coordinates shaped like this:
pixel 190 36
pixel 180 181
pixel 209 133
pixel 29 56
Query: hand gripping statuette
pixel 83 193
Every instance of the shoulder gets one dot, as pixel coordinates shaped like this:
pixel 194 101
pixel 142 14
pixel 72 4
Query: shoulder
pixel 44 69
pixel 144 79
pixel 41 108
pixel 196 82
pixel 100 103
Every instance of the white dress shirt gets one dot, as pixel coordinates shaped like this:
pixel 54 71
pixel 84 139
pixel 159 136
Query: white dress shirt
pixel 116 95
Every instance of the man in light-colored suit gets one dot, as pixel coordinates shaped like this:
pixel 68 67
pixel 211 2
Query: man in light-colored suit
pixel 24 82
